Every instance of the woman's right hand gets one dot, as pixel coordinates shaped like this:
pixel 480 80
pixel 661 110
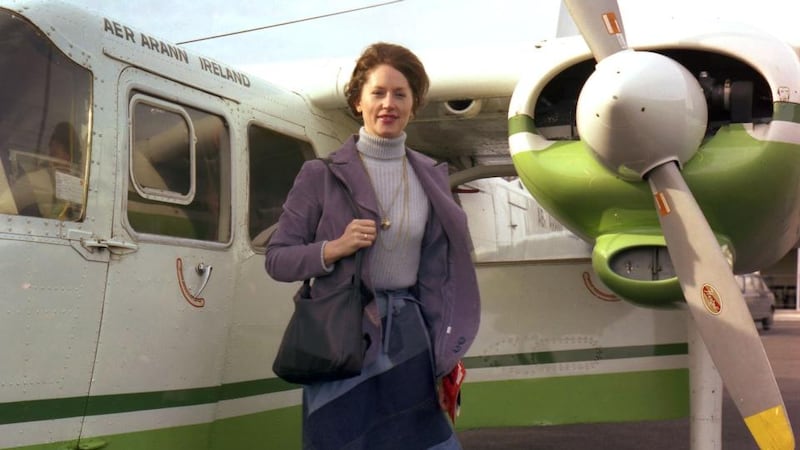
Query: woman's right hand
pixel 358 234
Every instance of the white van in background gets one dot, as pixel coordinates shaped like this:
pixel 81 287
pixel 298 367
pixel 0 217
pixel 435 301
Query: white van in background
pixel 760 299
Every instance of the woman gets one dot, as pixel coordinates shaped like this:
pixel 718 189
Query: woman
pixel 417 262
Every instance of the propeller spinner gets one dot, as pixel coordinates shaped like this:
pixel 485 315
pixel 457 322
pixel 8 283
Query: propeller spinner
pixel 644 115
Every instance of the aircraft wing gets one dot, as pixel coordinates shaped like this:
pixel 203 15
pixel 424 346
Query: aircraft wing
pixel 464 122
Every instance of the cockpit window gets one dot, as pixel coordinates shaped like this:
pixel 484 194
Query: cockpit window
pixel 44 125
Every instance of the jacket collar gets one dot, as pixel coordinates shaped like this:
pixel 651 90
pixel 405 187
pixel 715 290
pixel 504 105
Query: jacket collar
pixel 347 166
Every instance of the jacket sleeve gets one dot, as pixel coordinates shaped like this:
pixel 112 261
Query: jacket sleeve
pixel 293 252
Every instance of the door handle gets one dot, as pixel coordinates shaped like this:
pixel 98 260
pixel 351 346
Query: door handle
pixel 204 271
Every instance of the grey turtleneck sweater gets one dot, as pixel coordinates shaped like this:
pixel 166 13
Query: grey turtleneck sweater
pixel 395 254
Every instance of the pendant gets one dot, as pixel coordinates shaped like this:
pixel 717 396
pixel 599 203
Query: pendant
pixel 385 223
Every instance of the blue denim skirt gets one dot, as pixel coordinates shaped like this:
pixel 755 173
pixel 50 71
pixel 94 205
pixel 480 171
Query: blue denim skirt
pixel 393 404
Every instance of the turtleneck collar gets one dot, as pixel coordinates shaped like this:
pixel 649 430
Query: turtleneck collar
pixel 381 148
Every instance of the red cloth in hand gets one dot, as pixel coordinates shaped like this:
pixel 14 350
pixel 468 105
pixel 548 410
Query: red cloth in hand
pixel 451 390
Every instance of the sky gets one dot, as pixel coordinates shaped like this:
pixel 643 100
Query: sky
pixel 418 24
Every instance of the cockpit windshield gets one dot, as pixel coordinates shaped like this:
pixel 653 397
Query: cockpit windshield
pixel 44 125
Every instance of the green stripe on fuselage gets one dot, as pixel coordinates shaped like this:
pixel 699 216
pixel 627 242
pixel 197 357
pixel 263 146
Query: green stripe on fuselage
pixel 620 397
pixel 60 408
pixel 615 397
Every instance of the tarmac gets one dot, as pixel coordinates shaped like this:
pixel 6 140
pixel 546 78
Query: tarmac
pixel 782 344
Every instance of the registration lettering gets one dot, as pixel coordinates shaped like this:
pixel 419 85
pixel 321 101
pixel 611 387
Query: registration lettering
pixel 174 52
pixel 224 72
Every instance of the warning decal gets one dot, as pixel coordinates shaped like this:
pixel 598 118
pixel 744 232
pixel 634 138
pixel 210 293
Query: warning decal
pixel 612 25
pixel 711 299
pixel 661 204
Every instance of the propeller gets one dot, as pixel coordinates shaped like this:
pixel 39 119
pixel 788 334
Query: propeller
pixel 644 115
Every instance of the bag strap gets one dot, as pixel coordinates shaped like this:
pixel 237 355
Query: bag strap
pixel 354 207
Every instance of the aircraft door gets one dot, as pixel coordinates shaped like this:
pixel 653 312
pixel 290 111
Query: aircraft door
pixel 167 306
pixel 51 210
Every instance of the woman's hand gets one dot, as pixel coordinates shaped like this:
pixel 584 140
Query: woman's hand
pixel 358 234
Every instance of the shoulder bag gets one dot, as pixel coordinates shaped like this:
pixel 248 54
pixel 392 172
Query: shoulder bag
pixel 324 340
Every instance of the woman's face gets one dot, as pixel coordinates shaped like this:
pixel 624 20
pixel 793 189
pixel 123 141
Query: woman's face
pixel 386 102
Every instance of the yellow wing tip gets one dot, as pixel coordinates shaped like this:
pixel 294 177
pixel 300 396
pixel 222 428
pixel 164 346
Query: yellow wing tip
pixel 771 429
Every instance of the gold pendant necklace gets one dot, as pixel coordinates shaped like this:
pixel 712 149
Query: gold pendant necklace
pixel 401 236
pixel 386 223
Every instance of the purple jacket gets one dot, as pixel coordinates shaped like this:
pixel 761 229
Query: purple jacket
pixel 316 210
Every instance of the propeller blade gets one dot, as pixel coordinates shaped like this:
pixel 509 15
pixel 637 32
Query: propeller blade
pixel 719 310
pixel 600 23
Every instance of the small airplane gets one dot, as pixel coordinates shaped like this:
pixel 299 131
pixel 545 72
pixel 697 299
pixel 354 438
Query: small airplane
pixel 139 181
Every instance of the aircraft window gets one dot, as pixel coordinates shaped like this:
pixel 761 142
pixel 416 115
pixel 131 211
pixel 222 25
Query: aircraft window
pixel 180 171
pixel 162 160
pixel 44 125
pixel 275 160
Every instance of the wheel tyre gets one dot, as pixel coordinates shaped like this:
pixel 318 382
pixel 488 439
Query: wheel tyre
pixel 767 323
